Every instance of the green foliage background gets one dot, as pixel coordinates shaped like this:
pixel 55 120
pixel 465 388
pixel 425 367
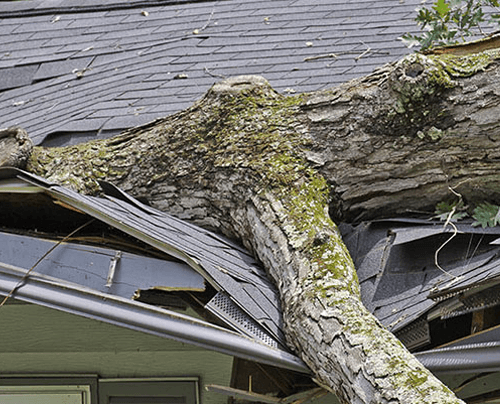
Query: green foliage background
pixel 451 21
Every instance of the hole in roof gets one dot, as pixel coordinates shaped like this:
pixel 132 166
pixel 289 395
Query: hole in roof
pixel 41 216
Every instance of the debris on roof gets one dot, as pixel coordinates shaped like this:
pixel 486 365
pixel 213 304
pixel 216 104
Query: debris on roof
pixel 78 70
pixel 429 284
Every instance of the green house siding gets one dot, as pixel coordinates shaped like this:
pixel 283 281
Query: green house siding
pixel 35 341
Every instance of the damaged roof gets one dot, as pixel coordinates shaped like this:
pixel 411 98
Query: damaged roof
pixel 81 278
pixel 430 308
pixel 436 287
pixel 75 70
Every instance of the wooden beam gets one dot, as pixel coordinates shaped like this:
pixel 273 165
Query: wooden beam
pixel 242 394
pixel 297 398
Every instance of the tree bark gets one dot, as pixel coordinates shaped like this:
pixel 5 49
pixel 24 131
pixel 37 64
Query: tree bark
pixel 272 171
pixel 15 147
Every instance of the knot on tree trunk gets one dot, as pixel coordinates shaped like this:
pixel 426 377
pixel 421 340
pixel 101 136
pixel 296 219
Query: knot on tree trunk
pixel 15 147
pixel 241 85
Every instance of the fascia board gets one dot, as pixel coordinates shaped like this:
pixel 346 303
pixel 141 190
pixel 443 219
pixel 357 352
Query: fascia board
pixel 141 317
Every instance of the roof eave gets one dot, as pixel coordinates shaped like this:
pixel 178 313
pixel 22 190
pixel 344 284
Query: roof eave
pixel 141 317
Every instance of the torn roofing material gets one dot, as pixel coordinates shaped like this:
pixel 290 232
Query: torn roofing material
pixel 428 283
pixel 71 71
pixel 244 297
pixel 100 268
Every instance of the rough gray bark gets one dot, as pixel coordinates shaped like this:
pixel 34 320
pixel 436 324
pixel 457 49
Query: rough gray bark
pixel 15 147
pixel 266 169
pixel 392 143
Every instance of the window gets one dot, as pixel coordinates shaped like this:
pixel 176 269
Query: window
pixel 48 390
pixel 91 390
pixel 149 391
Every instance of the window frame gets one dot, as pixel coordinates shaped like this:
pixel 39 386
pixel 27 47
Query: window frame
pixel 87 385
pixel 101 390
pixel 150 387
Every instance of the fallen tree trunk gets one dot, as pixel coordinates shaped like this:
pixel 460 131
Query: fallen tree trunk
pixel 271 171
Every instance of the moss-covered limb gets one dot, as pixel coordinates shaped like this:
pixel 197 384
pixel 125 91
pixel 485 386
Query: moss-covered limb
pixel 348 350
pixel 387 144
pixel 393 142
pixel 15 147
pixel 81 166
pixel 264 168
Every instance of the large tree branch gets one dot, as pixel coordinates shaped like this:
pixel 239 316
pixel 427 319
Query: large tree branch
pixel 393 142
pixel 267 169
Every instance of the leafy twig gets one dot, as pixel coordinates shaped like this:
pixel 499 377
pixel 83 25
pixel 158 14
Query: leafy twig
pixel 448 20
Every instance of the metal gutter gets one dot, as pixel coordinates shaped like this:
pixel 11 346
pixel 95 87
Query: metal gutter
pixel 71 298
pixel 473 358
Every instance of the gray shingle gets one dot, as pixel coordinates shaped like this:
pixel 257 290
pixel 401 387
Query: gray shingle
pixel 29 44
pixel 61 67
pixel 58 33
pixel 45 25
pixel 134 53
pixel 17 76
pixel 128 121
pixel 10 7
pixel 13 39
pixel 103 29
pixel 81 39
pixel 6 28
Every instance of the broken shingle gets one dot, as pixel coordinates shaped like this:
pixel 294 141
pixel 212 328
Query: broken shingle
pixel 13 77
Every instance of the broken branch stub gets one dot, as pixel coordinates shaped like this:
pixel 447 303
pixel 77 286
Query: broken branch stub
pixel 15 147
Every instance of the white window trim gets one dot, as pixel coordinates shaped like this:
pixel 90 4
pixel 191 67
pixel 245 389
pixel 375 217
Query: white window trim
pixel 83 391
pixel 83 386
pixel 95 390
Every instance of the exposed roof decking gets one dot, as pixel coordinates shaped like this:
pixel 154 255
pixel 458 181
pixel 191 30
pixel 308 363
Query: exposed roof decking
pixel 68 70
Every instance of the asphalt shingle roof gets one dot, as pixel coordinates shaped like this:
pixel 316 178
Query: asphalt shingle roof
pixel 73 70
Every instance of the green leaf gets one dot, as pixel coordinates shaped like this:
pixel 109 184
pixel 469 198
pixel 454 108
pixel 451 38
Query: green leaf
pixel 442 8
pixel 447 21
pixel 444 209
pixel 486 215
